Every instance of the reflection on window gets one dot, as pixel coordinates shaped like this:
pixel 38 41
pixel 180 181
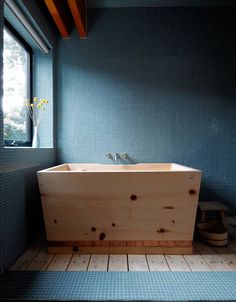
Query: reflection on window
pixel 16 89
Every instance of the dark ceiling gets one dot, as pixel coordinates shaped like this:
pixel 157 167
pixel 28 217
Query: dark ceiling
pixel 65 13
pixel 158 3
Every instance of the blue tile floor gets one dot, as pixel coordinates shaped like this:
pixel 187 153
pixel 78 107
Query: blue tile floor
pixel 118 286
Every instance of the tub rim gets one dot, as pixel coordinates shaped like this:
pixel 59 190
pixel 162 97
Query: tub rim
pixel 65 168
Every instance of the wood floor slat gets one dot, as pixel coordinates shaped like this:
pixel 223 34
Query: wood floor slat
pixel 212 258
pixel 177 263
pixel 60 262
pixel 157 263
pixel 79 263
pixel 41 261
pixel 197 263
pixel 98 263
pixel 137 263
pixel 228 255
pixel 204 258
pixel 232 244
pixel 118 263
pixel 24 260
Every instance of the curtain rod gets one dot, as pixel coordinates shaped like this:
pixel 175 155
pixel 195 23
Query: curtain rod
pixel 20 16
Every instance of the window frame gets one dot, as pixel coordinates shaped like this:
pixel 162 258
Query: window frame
pixel 17 36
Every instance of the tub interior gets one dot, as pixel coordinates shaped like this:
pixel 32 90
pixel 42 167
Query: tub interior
pixel 141 167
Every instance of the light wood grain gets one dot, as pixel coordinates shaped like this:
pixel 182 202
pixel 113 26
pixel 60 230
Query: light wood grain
pixel 214 260
pixel 24 261
pixel 197 263
pixel 228 255
pixel 79 12
pixel 230 226
pixel 216 263
pixel 60 262
pixel 177 263
pixel 212 206
pixel 41 261
pixel 232 244
pixel 98 263
pixel 85 205
pixel 59 16
pixel 118 263
pixel 122 250
pixel 204 249
pixel 137 263
pixel 79 263
pixel 157 263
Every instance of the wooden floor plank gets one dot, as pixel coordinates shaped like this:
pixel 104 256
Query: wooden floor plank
pixel 137 263
pixel 214 260
pixel 204 258
pixel 216 263
pixel 177 263
pixel 197 263
pixel 98 263
pixel 232 244
pixel 230 259
pixel 224 250
pixel 228 255
pixel 157 263
pixel 118 263
pixel 24 260
pixel 202 248
pixel 79 262
pixel 60 262
pixel 231 226
pixel 41 261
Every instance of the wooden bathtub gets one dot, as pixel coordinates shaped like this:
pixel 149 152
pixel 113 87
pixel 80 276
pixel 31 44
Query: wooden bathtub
pixel 98 208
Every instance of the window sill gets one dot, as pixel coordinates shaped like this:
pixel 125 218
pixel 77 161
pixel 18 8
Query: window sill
pixel 23 147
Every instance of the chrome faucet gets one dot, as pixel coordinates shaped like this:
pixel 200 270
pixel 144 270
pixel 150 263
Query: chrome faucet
pixel 109 156
pixel 116 157
pixel 124 156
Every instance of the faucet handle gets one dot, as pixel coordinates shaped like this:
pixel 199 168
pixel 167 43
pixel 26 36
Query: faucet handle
pixel 109 155
pixel 124 156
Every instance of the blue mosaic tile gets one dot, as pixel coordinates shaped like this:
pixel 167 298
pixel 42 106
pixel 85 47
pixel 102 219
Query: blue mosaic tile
pixel 20 207
pixel 119 286
pixel 156 83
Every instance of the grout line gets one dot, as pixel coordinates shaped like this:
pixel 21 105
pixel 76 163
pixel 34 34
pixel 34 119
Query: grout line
pixel 128 262
pixel 198 250
pixel 126 256
pixel 90 255
pixel 108 262
pixel 29 263
pixel 147 262
pixel 50 262
pixel 187 263
pixel 167 263
pixel 69 262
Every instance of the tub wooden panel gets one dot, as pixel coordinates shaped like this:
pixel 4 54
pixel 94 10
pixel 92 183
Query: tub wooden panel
pixel 147 207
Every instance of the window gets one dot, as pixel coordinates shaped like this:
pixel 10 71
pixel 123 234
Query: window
pixel 17 57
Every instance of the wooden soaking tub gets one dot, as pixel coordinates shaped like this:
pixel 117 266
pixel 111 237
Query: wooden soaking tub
pixel 98 208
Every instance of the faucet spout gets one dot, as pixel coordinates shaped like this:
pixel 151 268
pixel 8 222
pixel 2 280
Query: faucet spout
pixel 116 156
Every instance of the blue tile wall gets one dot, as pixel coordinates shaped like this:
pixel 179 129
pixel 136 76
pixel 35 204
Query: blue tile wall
pixel 43 88
pixel 20 209
pixel 157 83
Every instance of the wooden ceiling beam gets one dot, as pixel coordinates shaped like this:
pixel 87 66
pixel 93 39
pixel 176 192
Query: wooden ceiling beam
pixel 59 16
pixel 79 12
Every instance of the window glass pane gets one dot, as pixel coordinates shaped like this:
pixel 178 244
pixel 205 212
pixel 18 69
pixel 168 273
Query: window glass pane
pixel 15 89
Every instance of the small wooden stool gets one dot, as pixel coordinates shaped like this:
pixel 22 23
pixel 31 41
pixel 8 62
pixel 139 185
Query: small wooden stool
pixel 205 207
